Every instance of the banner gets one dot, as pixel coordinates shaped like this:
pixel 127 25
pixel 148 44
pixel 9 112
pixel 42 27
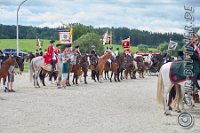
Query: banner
pixel 126 43
pixel 65 37
pixel 105 38
pixel 172 45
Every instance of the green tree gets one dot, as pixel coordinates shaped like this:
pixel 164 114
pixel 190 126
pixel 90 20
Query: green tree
pixel 143 48
pixel 86 41
pixel 163 47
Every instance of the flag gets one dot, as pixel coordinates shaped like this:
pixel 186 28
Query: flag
pixel 38 43
pixel 71 32
pixel 126 43
pixel 172 45
pixel 105 38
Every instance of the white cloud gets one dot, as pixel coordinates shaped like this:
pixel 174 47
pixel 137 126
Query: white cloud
pixel 154 15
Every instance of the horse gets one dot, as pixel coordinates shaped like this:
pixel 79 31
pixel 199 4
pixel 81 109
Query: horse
pixel 44 73
pixel 19 60
pixel 35 67
pixel 157 62
pixel 29 57
pixel 117 67
pixel 84 65
pixel 92 66
pixel 101 64
pixel 107 68
pixel 164 86
pixel 140 65
pixel 129 67
pixel 4 69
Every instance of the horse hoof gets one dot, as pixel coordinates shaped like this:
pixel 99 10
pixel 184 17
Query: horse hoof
pixel 167 113
pixel 86 83
pixel 59 87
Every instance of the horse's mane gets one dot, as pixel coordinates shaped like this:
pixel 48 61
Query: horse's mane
pixel 103 56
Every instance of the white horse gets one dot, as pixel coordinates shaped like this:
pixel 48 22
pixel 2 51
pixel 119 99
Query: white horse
pixel 164 86
pixel 35 67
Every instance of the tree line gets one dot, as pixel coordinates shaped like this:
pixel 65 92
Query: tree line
pixel 151 39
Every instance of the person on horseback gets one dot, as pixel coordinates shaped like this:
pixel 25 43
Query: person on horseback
pixel 77 51
pixel 57 50
pixel 117 52
pixel 41 52
pixel 37 53
pixel 195 56
pixel 50 57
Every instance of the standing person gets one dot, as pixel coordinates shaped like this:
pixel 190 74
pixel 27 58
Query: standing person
pixel 11 74
pixel 41 52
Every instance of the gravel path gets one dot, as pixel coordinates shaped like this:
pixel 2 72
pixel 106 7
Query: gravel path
pixel 126 107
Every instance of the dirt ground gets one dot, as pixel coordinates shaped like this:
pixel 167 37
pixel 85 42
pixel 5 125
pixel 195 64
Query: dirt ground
pixel 126 107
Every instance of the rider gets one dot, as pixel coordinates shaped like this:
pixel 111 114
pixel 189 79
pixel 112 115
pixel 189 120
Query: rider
pixel 57 49
pixel 50 56
pixel 195 57
pixel 41 52
pixel 37 53
pixel 117 52
pixel 77 51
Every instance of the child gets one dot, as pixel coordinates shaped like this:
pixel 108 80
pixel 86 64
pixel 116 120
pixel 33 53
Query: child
pixel 11 73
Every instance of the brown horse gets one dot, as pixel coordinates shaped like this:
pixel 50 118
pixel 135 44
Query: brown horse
pixel 140 65
pixel 129 67
pixel 101 64
pixel 76 69
pixel 107 68
pixel 84 65
pixel 4 69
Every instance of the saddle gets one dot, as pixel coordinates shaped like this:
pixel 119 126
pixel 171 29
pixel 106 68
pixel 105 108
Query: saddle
pixel 48 68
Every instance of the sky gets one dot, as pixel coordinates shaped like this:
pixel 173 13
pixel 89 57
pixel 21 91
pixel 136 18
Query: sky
pixel 152 15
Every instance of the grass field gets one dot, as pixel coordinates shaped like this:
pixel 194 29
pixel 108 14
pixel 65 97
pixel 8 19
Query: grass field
pixel 29 45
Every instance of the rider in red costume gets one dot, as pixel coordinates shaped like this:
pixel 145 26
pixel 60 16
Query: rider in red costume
pixel 77 51
pixel 57 50
pixel 50 53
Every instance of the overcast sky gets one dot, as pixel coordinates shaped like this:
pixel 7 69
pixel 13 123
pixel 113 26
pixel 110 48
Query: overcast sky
pixel 152 15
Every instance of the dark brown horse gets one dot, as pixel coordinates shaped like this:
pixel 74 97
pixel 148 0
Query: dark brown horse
pixel 44 73
pixel 129 67
pixel 84 65
pixel 4 69
pixel 29 57
pixel 140 65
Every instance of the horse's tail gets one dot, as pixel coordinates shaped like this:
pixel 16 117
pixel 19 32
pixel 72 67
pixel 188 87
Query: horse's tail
pixel 160 89
pixel 31 71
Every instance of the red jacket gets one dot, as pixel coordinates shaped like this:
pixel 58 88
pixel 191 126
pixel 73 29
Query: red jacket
pixel 49 54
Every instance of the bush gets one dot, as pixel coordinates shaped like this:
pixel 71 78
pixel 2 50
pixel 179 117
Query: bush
pixel 86 41
pixel 143 48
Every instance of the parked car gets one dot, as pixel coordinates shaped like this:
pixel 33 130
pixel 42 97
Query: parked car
pixel 10 51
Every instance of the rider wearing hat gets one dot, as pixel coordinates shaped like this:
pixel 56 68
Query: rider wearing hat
pixel 57 50
pixel 67 49
pixel 93 50
pixel 50 56
pixel 77 51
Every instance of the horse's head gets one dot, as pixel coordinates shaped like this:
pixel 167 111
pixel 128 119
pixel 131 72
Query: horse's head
pixel 20 62
pixel 11 61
